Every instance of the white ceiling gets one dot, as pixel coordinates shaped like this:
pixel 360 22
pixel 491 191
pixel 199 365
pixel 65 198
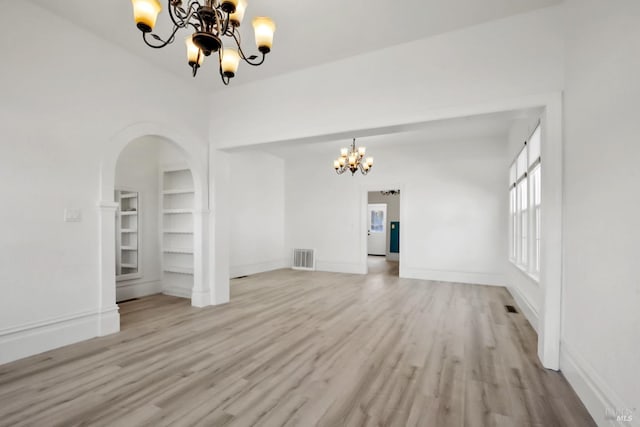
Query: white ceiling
pixel 479 127
pixel 308 32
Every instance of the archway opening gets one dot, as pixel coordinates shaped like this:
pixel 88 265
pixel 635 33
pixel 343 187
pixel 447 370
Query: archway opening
pixel 154 228
pixel 192 166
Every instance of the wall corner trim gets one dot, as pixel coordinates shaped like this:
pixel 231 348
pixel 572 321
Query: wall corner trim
pixel 592 390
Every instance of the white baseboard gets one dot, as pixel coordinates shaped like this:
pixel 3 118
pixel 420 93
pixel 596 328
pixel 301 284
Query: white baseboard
pixel 341 267
pixel 528 310
pixel 38 337
pixel 137 289
pixel 175 291
pixel 472 278
pixel 260 267
pixel 200 298
pixel 599 399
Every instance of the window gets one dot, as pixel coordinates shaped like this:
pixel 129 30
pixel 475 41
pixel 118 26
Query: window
pixel 525 206
pixel 535 206
pixel 377 221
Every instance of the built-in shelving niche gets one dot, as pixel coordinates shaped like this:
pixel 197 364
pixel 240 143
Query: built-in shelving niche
pixel 178 201
pixel 127 234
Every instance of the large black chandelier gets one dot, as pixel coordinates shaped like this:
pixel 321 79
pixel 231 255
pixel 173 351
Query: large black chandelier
pixel 210 20
pixel 353 160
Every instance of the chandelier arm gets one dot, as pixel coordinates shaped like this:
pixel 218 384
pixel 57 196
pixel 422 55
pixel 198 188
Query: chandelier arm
pixel 246 59
pixel 175 10
pixel 224 29
pixel 163 43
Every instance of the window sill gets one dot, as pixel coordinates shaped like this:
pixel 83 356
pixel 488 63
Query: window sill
pixel 523 269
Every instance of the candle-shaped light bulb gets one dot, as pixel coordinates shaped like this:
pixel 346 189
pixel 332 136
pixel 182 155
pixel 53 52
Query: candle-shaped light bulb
pixel 145 13
pixel 370 161
pixel 264 28
pixel 352 159
pixel 336 164
pixel 362 151
pixel 341 160
pixel 344 152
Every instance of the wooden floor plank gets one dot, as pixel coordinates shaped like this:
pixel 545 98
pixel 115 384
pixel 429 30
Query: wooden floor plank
pixel 297 348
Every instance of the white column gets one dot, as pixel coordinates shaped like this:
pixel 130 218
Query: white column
pixel 109 321
pixel 201 295
pixel 219 227
pixel 549 323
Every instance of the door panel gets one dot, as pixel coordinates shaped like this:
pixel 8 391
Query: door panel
pixel 377 229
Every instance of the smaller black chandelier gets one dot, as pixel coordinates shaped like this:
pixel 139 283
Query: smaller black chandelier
pixel 353 160
pixel 390 192
pixel 210 22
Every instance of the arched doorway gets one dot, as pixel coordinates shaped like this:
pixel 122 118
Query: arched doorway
pixel 196 157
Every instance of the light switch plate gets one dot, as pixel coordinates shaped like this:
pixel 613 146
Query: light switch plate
pixel 72 215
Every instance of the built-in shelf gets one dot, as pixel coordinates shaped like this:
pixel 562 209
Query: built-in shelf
pixel 178 270
pixel 178 250
pixel 177 211
pixel 178 198
pixel 127 238
pixel 182 191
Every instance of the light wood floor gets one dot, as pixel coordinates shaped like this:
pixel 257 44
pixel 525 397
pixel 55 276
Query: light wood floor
pixel 303 349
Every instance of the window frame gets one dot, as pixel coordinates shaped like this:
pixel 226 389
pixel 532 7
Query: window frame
pixel 525 177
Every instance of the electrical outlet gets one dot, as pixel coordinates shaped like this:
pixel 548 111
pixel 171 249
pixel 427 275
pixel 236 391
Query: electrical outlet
pixel 72 215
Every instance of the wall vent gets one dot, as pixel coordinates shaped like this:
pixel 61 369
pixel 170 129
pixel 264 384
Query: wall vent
pixel 510 309
pixel 304 259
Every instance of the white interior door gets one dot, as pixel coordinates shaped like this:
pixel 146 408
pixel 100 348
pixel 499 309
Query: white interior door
pixel 377 229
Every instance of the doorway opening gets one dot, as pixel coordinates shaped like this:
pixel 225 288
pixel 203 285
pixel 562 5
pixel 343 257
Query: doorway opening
pixel 383 232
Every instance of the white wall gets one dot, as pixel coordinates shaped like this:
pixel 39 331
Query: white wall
pixel 59 107
pixel 393 214
pixel 257 223
pixel 453 209
pixel 601 326
pixel 137 169
pixel 509 58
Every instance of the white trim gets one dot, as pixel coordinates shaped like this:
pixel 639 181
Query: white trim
pixel 200 298
pixel 467 277
pixel 258 267
pixel 175 291
pixel 529 311
pixel 36 337
pixel 341 267
pixel 137 289
pixel 592 390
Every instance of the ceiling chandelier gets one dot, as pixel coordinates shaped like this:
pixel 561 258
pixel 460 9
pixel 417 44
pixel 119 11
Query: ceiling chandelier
pixel 353 160
pixel 390 192
pixel 210 22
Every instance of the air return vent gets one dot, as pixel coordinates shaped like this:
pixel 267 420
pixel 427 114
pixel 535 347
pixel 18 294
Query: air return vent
pixel 304 259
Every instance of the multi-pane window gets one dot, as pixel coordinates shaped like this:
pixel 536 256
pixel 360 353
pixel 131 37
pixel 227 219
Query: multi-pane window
pixel 513 211
pixel 524 206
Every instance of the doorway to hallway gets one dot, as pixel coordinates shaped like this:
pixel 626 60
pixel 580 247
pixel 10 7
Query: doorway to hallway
pixel 383 232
